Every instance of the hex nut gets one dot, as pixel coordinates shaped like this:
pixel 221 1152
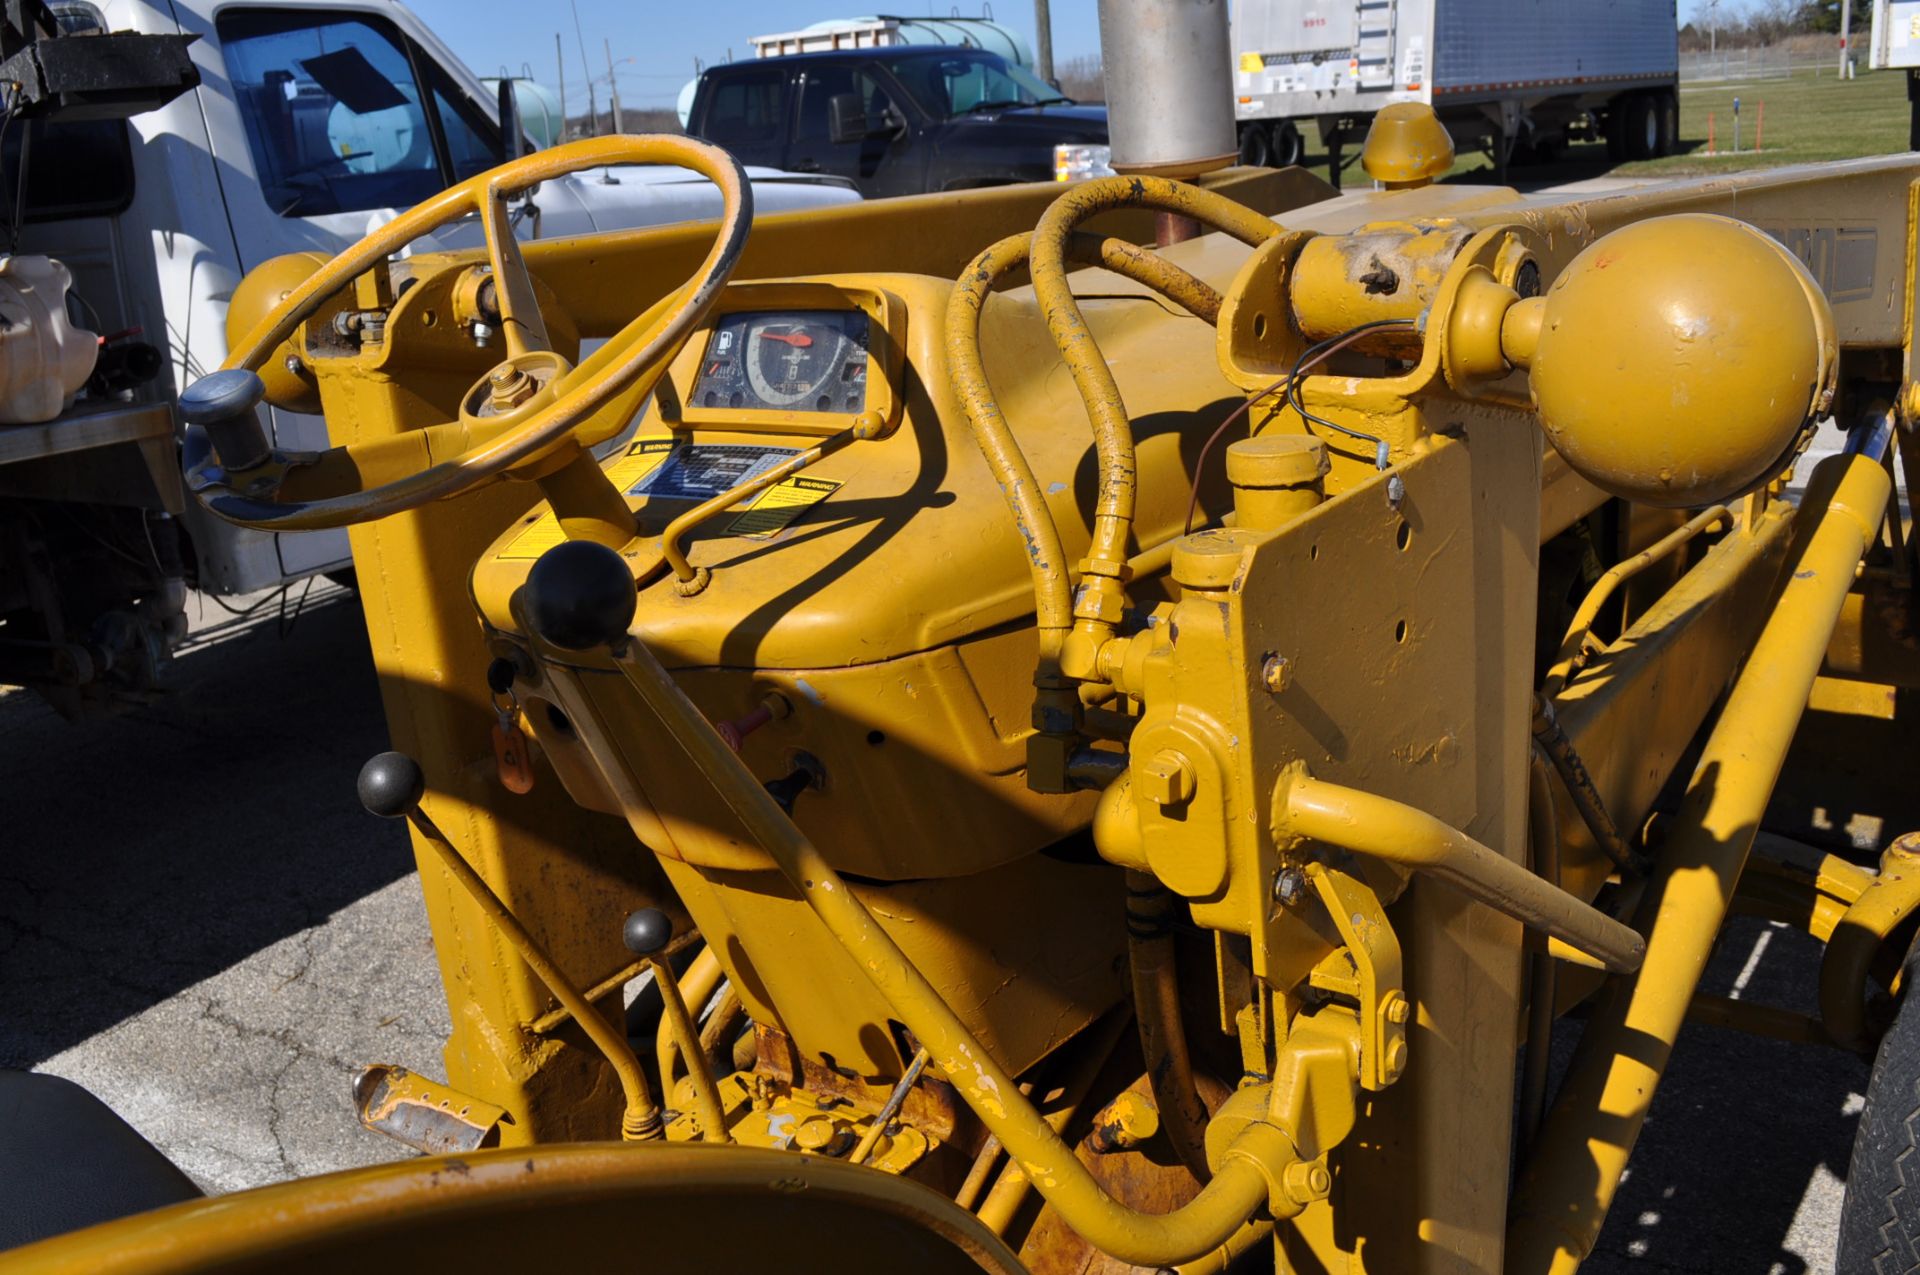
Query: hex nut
pixel 1306 1181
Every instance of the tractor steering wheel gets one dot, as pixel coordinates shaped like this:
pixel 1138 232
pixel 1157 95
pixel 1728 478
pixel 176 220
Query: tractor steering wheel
pixel 233 471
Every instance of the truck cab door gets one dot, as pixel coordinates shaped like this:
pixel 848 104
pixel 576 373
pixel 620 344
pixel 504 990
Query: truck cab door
pixel 744 112
pixel 323 123
pixel 867 138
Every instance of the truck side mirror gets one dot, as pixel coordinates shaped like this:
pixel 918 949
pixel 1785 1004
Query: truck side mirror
pixel 513 141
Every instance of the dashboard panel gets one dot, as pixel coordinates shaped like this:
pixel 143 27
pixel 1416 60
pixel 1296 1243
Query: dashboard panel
pixel 794 358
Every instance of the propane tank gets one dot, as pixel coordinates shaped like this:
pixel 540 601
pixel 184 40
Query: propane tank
pixel 44 359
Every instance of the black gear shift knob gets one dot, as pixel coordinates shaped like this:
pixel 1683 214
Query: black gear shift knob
pixel 391 785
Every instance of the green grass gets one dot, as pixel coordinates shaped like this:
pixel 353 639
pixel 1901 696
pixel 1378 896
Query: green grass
pixel 1809 119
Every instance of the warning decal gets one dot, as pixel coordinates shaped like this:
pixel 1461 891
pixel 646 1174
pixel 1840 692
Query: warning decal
pixel 778 507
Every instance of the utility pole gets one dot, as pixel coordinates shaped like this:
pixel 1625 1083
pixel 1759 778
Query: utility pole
pixel 1846 25
pixel 560 59
pixel 613 89
pixel 1043 44
pixel 1713 27
pixel 586 71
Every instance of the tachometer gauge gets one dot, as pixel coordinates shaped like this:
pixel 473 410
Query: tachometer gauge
pixel 804 361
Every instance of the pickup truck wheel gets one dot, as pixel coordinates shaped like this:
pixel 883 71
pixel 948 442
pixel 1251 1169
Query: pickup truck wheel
pixel 1256 145
pixel 1880 1213
pixel 1289 148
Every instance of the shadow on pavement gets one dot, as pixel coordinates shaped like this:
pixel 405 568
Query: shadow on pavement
pixel 149 851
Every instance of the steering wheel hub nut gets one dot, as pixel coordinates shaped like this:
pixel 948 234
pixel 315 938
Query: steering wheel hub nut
pixel 508 387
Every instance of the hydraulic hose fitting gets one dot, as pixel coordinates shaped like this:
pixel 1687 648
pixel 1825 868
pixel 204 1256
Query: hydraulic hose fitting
pixel 1056 734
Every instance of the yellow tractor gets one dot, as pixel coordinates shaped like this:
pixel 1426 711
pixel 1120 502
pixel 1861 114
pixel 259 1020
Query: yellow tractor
pixel 1107 715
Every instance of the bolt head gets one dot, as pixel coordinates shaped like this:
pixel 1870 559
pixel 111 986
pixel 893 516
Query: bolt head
pixel 1276 673
pixel 1306 1181
pixel 1399 1009
pixel 1167 778
pixel 1289 886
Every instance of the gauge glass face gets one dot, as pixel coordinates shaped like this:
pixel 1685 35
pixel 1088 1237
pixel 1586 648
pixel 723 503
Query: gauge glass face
pixel 793 361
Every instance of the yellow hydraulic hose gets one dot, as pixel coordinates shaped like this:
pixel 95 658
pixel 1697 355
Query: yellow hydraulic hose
pixel 1564 1194
pixel 1241 1183
pixel 1046 557
pixel 1112 430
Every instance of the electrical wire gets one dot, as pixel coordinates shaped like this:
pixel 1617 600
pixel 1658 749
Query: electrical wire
pixel 1310 357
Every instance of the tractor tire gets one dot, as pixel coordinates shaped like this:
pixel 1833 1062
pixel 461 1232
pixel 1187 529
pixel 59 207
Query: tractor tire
pixel 1289 148
pixel 1880 1213
pixel 1256 145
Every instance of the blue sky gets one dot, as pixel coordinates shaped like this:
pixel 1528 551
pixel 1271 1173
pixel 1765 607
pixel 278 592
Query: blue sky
pixel 663 37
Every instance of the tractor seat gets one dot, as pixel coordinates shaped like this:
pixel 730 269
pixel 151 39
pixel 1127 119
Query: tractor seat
pixel 66 1161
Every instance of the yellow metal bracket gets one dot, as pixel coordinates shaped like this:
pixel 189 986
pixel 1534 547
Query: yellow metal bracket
pixel 1366 969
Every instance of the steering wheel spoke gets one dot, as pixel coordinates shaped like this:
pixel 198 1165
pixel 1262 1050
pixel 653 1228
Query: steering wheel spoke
pixel 520 319
pixel 281 491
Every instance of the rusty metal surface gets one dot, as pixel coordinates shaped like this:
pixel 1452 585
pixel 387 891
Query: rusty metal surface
pixel 426 1115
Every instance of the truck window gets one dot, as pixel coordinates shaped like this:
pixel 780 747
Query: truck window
pixel 333 108
pixel 745 109
pixel 953 84
pixel 819 84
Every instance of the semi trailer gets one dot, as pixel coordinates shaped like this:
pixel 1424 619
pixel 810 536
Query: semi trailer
pixel 1518 81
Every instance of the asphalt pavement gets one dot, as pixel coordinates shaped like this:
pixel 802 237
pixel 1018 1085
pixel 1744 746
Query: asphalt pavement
pixel 199 923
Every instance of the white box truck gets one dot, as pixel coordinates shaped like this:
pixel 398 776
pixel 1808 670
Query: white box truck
pixel 1516 78
pixel 1893 42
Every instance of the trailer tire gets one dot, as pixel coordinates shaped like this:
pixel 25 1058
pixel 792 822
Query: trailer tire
pixel 1616 129
pixel 1643 126
pixel 1289 148
pixel 1256 145
pixel 1666 113
pixel 1880 1212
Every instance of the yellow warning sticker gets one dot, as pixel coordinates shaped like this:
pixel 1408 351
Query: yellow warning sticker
pixel 642 458
pixel 778 507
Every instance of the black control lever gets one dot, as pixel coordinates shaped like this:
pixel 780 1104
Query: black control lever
pixel 224 405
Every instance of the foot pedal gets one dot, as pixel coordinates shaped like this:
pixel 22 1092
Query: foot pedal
pixel 424 1114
